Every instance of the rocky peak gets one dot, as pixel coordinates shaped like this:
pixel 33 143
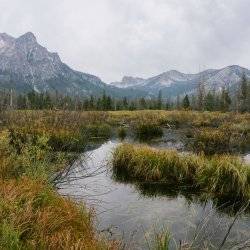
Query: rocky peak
pixel 28 37
pixel 5 41
pixel 130 79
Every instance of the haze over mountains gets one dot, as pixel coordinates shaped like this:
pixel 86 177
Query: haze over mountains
pixel 25 65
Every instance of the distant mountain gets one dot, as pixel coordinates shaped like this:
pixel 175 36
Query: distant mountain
pixel 173 83
pixel 25 65
pixel 128 82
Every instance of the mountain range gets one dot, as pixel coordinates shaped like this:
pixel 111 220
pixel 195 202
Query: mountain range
pixel 173 83
pixel 25 65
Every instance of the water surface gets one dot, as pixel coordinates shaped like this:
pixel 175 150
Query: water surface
pixel 134 212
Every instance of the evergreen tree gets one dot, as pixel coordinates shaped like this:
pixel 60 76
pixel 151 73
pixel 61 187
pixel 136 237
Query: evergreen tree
pixel 225 101
pixel 185 102
pixel 243 94
pixel 209 102
pixel 200 95
pixel 159 100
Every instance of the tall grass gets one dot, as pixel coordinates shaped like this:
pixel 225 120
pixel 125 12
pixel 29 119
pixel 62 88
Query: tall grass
pixel 220 140
pixel 220 176
pixel 71 120
pixel 33 216
pixel 148 130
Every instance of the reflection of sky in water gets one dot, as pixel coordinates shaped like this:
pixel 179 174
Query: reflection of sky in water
pixel 247 158
pixel 132 215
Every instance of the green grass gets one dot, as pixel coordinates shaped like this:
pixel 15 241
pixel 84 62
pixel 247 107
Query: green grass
pixel 32 214
pixel 148 130
pixel 220 140
pixel 219 176
pixel 121 132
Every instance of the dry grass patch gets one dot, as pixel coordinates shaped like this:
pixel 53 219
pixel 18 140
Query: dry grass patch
pixel 33 216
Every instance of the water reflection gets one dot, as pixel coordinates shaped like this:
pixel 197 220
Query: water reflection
pixel 131 211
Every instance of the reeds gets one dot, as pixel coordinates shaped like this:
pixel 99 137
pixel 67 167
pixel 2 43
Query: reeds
pixel 145 131
pixel 33 216
pixel 222 176
pixel 220 140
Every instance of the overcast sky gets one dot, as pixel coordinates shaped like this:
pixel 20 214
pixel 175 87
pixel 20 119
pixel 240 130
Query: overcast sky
pixel 112 38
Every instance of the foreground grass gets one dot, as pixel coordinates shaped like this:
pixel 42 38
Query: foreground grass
pixel 32 214
pixel 219 176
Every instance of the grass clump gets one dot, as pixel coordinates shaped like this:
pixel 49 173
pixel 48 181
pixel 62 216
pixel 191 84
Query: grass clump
pixel 33 216
pixel 226 175
pixel 67 142
pixel 148 130
pixel 218 176
pixel 29 155
pixel 122 133
pixel 96 131
pixel 147 164
pixel 221 140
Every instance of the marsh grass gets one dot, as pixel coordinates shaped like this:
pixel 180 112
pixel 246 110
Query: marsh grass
pixel 145 131
pixel 122 133
pixel 218 176
pixel 220 140
pixel 33 216
pixel 102 131
pixel 29 155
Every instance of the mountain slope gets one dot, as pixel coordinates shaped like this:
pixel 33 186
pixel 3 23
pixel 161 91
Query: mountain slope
pixel 173 83
pixel 25 65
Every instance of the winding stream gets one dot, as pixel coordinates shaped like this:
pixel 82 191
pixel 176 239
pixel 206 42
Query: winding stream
pixel 127 212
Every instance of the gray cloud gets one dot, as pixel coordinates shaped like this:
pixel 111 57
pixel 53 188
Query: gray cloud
pixel 112 38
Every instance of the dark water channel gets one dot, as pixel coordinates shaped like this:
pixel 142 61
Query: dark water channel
pixel 134 212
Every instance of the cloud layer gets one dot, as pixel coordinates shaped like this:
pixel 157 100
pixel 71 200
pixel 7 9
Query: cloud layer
pixel 112 38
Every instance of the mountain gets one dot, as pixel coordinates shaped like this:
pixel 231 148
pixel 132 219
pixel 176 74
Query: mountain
pixel 25 65
pixel 128 82
pixel 173 83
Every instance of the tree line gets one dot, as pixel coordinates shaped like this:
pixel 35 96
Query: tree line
pixel 236 99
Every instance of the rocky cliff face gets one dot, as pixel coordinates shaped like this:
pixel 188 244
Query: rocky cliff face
pixel 26 65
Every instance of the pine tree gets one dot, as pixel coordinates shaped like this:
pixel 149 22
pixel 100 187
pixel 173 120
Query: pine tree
pixel 159 100
pixel 185 102
pixel 225 101
pixel 200 95
pixel 243 94
pixel 209 102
